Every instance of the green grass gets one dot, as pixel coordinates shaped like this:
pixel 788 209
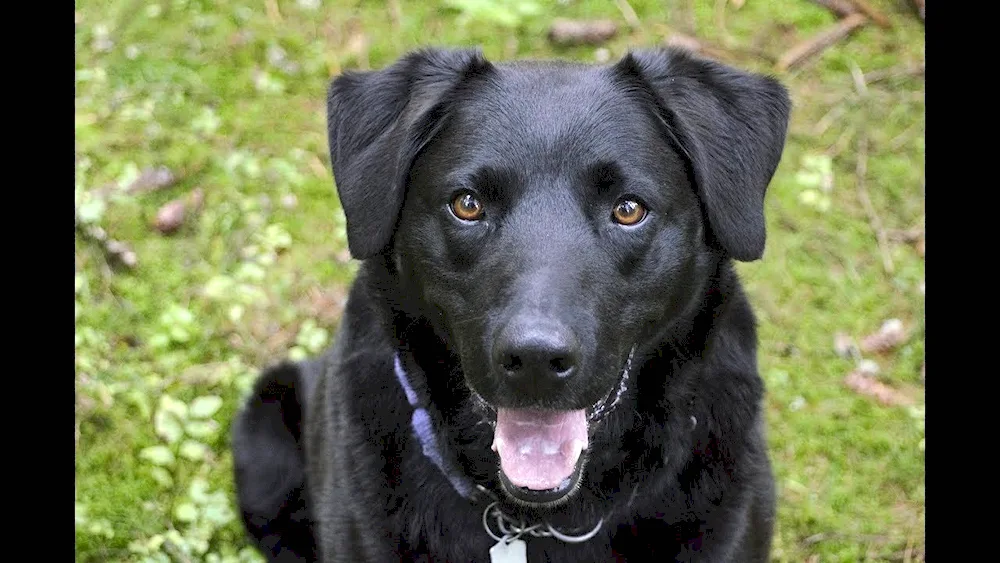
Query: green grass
pixel 230 98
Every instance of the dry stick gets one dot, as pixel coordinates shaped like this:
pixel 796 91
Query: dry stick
pixel 628 13
pixel 581 32
pixel 691 23
pixel 867 9
pixel 866 202
pixel 395 13
pixel 799 53
pixel 828 118
pixel 272 11
pixel 841 143
pixel 116 251
pixel 714 51
pixel 910 235
pixel 899 141
pixel 860 86
pixel 720 20
pixel 894 72
pixel 842 8
pixel 908 552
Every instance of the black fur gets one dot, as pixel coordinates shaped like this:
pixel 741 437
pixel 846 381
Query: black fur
pixel 679 470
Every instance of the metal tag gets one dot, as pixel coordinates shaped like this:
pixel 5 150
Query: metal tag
pixel 514 551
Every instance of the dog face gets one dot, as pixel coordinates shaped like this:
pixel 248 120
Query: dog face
pixel 548 216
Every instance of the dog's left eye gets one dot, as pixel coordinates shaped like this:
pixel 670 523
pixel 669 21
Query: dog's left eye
pixel 628 212
pixel 466 207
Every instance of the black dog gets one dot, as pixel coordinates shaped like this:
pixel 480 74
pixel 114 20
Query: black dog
pixel 547 343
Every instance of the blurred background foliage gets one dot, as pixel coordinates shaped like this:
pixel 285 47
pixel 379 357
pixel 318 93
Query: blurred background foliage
pixel 210 241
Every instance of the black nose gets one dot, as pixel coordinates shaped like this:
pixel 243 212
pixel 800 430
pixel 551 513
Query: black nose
pixel 537 356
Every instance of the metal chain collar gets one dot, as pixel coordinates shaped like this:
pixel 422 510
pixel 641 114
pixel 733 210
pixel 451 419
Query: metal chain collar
pixel 511 529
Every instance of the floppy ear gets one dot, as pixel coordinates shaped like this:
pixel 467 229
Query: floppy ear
pixel 732 126
pixel 377 121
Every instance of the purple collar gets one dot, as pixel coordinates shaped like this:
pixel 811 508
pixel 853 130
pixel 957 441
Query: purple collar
pixel 423 428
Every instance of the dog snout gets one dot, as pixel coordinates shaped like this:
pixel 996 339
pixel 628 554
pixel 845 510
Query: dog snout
pixel 537 356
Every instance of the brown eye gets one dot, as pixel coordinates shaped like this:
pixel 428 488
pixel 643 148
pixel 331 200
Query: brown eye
pixel 628 212
pixel 467 208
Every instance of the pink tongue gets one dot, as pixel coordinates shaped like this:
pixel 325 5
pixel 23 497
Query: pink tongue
pixel 539 449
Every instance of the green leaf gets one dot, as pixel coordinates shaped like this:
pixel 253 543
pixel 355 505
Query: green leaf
pixel 250 271
pixel 162 477
pixel 218 513
pixel 194 451
pixel 235 313
pixel 159 455
pixel 297 354
pixel 91 211
pixel 218 287
pixel 173 406
pixel 201 428
pixel 159 340
pixel 186 512
pixel 198 490
pixel 81 514
pixel 140 400
pixel 204 407
pixel 167 426
pixel 179 334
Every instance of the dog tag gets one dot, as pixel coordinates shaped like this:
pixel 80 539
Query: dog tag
pixel 514 551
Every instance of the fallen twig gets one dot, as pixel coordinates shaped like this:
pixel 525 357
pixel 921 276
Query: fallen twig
pixel 816 44
pixel 866 385
pixel 395 14
pixel 628 13
pixel 273 13
pixel 840 145
pixel 842 8
pixel 172 214
pixel 698 46
pixel 889 336
pixel 901 140
pixel 894 72
pixel 581 32
pixel 152 179
pixel 873 219
pixel 860 86
pixel 116 251
pixel 688 18
pixel 909 236
pixel 828 118
pixel 845 346
pixel 720 20
pixel 867 9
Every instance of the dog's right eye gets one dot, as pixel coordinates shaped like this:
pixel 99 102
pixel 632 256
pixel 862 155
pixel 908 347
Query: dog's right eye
pixel 628 212
pixel 466 207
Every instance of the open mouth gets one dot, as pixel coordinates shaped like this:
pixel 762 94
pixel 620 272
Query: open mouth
pixel 542 452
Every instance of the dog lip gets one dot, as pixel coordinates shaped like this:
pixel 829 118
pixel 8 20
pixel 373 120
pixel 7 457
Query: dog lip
pixel 545 498
pixel 609 402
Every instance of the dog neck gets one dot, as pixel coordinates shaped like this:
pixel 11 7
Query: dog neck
pixel 423 428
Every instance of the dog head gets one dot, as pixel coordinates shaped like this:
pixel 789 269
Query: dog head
pixel 550 216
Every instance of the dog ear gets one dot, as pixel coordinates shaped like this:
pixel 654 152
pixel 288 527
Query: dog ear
pixel 731 125
pixel 377 121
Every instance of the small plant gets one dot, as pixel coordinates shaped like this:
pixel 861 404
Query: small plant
pixel 816 178
pixel 507 13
